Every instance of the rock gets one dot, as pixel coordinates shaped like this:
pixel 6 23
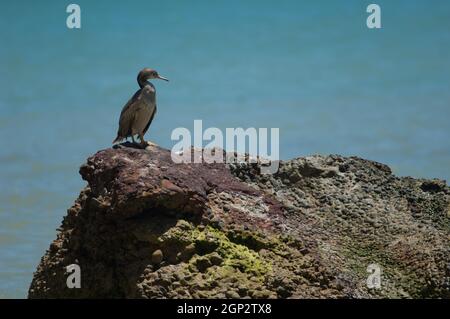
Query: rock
pixel 232 294
pixel 187 252
pixel 215 259
pixel 203 264
pixel 434 186
pixel 145 227
pixel 157 257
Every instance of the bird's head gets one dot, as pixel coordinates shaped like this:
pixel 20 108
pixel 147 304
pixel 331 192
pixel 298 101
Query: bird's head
pixel 147 74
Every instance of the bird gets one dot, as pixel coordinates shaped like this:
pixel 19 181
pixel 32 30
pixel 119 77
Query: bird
pixel 138 113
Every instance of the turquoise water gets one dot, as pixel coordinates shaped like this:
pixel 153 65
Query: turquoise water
pixel 311 68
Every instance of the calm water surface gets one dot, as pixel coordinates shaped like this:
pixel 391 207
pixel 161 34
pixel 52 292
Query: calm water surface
pixel 311 68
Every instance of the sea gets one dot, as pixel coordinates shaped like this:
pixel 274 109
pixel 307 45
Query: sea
pixel 313 69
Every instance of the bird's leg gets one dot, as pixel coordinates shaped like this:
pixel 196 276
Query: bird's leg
pixel 132 138
pixel 143 142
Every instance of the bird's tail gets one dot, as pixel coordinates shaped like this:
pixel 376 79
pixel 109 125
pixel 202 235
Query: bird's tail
pixel 117 139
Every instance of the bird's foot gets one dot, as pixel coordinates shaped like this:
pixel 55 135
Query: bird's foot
pixel 144 144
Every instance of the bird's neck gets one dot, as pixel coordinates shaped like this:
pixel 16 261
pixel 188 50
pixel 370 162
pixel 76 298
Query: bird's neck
pixel 147 84
pixel 143 83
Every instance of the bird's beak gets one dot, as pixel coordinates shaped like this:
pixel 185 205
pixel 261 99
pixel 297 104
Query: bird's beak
pixel 162 78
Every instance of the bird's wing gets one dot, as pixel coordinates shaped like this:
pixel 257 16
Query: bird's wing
pixel 150 121
pixel 127 115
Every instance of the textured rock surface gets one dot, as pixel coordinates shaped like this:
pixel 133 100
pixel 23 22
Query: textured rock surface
pixel 145 227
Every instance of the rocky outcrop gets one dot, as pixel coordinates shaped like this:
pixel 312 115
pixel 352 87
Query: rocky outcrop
pixel 145 227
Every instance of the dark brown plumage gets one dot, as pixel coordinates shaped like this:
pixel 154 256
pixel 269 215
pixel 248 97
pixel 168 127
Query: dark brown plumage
pixel 138 113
